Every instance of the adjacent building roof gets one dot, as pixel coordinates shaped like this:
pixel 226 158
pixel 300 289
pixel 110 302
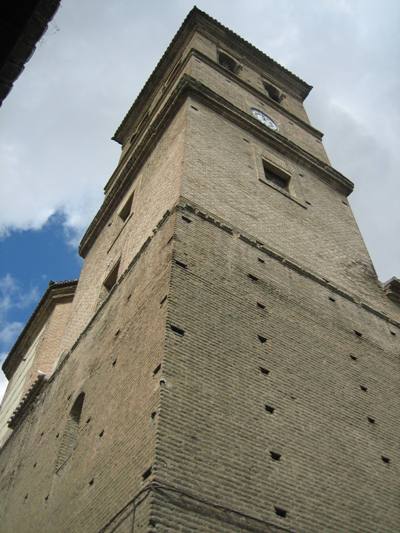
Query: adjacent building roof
pixel 55 291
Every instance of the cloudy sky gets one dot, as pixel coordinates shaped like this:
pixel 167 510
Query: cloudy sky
pixel 55 126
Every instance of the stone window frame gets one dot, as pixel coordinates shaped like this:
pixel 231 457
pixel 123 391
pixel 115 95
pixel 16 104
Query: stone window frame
pixel 237 67
pixel 273 92
pixel 262 162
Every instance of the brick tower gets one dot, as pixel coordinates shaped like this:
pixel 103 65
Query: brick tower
pixel 228 360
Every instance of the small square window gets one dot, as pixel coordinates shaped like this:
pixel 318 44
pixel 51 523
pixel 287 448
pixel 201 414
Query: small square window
pixel 127 208
pixel 274 93
pixel 227 62
pixel 276 176
pixel 112 277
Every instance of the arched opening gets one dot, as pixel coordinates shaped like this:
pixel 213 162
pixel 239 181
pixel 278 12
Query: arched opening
pixel 71 432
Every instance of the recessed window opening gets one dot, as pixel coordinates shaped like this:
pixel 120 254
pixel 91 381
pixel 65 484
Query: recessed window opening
pixel 264 371
pixel 371 420
pixel 357 333
pixel 71 432
pixel 280 512
pixel 276 176
pixel 164 300
pixel 146 473
pixel 385 459
pixel 227 62
pixel 186 219
pixel 180 263
pixel 275 456
pixel 332 299
pixel 178 331
pixel 127 208
pixel 112 277
pixel 353 357
pixel 253 278
pixel 260 260
pixel 262 339
pixel 156 370
pixel 260 305
pixel 363 388
pixel 392 333
pixel 274 93
pixel 269 409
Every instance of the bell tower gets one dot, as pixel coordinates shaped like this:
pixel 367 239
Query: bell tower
pixel 230 359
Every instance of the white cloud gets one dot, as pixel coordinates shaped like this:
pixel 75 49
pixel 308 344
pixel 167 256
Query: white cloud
pixel 13 297
pixel 3 384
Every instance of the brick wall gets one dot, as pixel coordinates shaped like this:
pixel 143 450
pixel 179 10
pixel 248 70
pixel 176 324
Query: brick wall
pixel 286 344
pixel 113 363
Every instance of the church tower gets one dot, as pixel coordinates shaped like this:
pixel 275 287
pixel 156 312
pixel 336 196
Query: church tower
pixel 228 360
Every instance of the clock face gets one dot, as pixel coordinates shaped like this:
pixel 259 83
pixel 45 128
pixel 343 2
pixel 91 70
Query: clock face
pixel 264 118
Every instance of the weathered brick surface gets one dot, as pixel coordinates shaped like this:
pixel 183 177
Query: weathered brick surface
pixel 215 434
pixel 156 189
pixel 113 364
pixel 248 354
pixel 222 173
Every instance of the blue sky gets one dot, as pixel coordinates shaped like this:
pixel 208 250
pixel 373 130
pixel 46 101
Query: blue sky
pixel 30 259
pixel 56 124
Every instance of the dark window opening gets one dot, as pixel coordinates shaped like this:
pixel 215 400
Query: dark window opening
pixel 371 420
pixel 332 299
pixel 180 263
pixel 186 219
pixel 274 93
pixel 385 459
pixel 357 333
pixel 227 62
pixel 164 299
pixel 253 278
pixel 269 408
pixel 275 456
pixel 91 481
pixel 146 473
pixel 278 178
pixel 393 333
pixel 260 260
pixel 156 370
pixel 262 339
pixel 260 305
pixel 127 209
pixel 363 388
pixel 112 277
pixel 264 371
pixel 177 330
pixel 353 357
pixel 280 512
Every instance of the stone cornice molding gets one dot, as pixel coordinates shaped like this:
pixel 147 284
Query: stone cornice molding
pixel 186 87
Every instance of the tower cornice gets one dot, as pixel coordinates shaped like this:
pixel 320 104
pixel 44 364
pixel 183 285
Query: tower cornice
pixel 198 20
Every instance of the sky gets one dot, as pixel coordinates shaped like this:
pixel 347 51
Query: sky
pixel 55 126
